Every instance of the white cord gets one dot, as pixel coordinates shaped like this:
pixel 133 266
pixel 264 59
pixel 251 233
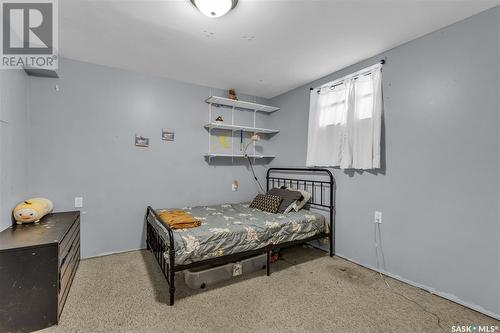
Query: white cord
pixel 251 167
pixel 254 176
pixel 377 228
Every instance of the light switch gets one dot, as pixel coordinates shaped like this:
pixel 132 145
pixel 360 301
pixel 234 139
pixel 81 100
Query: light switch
pixel 78 202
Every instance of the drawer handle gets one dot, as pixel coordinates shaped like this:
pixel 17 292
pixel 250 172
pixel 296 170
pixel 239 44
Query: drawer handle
pixel 67 255
pixel 63 261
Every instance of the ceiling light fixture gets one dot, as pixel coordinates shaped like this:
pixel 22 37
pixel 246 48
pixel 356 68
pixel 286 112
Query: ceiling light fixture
pixel 214 8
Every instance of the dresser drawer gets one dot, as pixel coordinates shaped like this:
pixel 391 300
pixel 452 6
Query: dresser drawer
pixel 66 261
pixel 69 238
pixel 28 289
pixel 67 272
pixel 38 262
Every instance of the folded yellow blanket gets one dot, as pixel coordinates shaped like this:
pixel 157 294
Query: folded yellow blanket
pixel 179 219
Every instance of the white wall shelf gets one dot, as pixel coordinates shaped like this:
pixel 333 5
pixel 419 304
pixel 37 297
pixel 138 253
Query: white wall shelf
pixel 229 150
pixel 238 127
pixel 210 155
pixel 216 101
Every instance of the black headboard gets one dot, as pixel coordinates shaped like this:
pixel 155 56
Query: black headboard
pixel 319 182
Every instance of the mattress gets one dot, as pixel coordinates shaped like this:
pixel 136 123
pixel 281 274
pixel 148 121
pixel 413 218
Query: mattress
pixel 234 228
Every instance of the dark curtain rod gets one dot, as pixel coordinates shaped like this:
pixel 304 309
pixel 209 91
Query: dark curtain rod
pixel 380 62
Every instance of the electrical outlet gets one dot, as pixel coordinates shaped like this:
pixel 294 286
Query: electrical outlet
pixel 378 217
pixel 78 202
pixel 234 186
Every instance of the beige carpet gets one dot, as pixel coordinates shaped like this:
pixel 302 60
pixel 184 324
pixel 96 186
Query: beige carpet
pixel 307 292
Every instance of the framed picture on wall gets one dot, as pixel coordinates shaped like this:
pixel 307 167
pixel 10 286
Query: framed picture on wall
pixel 141 141
pixel 167 135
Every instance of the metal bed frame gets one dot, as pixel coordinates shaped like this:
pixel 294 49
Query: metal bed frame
pixel 159 246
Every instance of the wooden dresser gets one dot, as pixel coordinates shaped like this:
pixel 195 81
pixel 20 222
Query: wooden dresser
pixel 37 264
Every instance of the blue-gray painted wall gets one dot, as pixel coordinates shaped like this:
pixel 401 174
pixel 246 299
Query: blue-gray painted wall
pixel 439 190
pixel 14 134
pixel 82 144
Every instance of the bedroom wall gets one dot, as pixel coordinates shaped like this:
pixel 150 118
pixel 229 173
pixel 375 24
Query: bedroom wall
pixel 14 158
pixel 82 139
pixel 439 189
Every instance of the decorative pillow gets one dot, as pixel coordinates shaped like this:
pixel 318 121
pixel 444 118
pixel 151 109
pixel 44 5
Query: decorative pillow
pixel 288 197
pixel 267 203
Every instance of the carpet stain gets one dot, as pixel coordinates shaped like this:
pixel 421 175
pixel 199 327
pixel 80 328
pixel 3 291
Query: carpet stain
pixel 350 274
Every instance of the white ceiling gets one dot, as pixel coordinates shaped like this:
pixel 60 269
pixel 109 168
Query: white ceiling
pixel 262 47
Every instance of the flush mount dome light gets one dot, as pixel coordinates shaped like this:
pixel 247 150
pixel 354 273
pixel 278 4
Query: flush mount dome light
pixel 214 8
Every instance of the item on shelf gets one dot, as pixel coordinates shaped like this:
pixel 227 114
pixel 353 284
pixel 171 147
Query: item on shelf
pixel 219 119
pixel 32 210
pixel 253 138
pixel 223 142
pixel 232 94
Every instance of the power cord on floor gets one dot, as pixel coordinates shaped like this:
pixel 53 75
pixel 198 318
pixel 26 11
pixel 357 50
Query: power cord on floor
pixel 438 319
pixel 382 276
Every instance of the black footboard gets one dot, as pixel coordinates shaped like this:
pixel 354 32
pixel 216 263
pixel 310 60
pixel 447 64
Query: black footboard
pixel 160 247
pixel 160 238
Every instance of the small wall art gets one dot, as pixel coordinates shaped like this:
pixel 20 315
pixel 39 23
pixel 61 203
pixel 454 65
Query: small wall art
pixel 141 141
pixel 167 135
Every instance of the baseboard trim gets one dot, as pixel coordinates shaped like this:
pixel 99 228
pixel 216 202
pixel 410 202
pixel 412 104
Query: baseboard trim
pixel 430 290
pixel 104 254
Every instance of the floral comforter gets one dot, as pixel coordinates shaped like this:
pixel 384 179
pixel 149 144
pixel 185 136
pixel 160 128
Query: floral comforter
pixel 233 228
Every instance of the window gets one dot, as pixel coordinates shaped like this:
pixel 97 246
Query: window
pixel 332 102
pixel 345 122
pixel 332 106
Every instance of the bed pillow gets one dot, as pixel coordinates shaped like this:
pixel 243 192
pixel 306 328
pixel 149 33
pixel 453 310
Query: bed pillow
pixel 267 203
pixel 289 197
pixel 301 203
pixel 291 207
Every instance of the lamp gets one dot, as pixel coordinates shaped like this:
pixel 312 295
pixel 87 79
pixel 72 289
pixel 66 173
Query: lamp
pixel 214 8
pixel 253 138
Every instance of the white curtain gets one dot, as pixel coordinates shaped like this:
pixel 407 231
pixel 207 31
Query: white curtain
pixel 345 120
